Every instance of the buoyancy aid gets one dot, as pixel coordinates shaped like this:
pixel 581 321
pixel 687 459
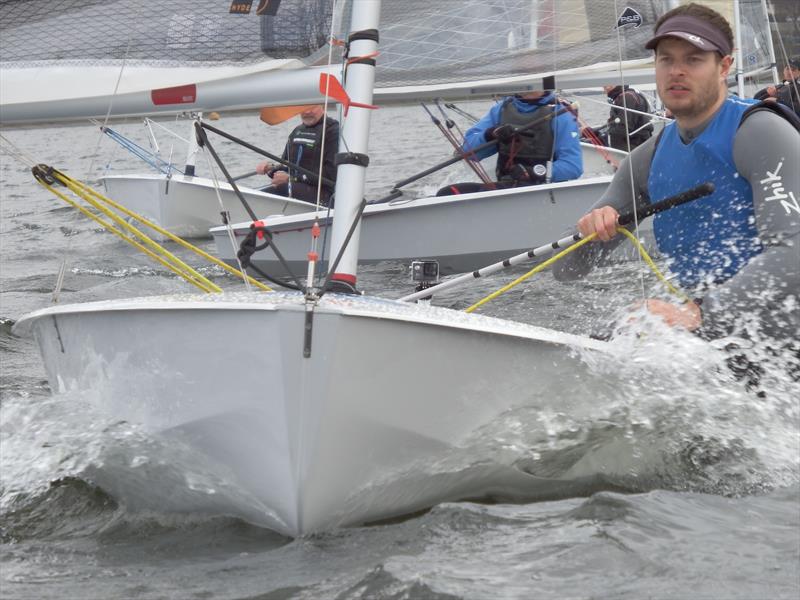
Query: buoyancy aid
pixel 304 148
pixel 711 239
pixel 529 148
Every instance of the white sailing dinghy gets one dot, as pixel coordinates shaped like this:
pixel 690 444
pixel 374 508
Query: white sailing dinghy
pixel 190 205
pixel 301 411
pixel 294 400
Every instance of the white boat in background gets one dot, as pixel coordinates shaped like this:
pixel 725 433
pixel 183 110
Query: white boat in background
pixel 188 206
pixel 299 400
pixel 462 233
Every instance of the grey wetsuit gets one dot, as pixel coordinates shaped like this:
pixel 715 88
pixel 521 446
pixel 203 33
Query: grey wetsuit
pixel 766 151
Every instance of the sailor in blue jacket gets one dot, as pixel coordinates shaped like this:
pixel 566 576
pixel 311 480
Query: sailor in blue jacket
pixel 544 153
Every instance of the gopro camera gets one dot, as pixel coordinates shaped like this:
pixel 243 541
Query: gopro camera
pixel 425 272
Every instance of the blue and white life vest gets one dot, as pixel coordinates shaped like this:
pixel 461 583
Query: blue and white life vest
pixel 711 239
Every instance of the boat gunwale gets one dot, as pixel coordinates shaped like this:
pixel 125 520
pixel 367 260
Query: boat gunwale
pixel 367 307
pixel 280 223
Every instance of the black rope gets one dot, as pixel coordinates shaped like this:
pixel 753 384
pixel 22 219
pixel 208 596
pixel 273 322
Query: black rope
pixel 249 246
pixel 283 161
pixel 462 112
pixel 204 141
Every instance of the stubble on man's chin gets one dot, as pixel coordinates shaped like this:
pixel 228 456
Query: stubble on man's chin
pixel 698 106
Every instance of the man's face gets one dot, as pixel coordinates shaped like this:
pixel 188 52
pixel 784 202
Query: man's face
pixel 311 115
pixel 689 80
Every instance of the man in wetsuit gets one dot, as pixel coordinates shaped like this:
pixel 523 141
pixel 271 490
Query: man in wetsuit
pixel 304 148
pixel 737 251
pixel 547 152
pixel 637 130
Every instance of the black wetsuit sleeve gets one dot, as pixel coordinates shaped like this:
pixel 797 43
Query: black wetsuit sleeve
pixel 766 151
pixel 331 148
pixel 629 182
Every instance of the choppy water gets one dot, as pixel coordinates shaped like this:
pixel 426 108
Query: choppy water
pixel 692 482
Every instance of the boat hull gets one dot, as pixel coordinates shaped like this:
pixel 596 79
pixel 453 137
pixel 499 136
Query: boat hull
pixel 188 206
pixel 368 426
pixel 463 233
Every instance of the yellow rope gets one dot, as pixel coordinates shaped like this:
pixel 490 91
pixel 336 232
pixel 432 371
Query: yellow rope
pixel 530 273
pixel 572 248
pixel 144 243
pixel 200 283
pixel 172 236
pixel 652 265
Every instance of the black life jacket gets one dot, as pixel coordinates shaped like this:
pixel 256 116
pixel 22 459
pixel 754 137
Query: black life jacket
pixel 305 145
pixel 617 131
pixel 529 148
pixel 779 109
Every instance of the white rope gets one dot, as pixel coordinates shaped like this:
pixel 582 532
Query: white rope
pixel 111 100
pixel 14 151
pixel 784 54
pixel 626 109
pixel 11 149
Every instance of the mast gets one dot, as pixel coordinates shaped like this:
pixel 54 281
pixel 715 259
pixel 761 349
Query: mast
pixel 191 152
pixel 739 65
pixel 354 137
pixel 770 47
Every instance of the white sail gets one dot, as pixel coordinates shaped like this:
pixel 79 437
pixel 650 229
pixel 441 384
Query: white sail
pixel 77 60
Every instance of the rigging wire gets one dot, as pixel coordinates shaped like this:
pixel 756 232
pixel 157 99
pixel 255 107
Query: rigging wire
pixel 628 160
pixel 313 253
pixel 13 150
pixel 784 54
pixel 226 220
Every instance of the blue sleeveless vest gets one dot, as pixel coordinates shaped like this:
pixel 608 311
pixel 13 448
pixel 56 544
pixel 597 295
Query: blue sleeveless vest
pixel 708 240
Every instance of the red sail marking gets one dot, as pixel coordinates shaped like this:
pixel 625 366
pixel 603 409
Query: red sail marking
pixel 182 94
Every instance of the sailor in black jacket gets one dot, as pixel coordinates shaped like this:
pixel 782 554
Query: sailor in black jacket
pixel 304 148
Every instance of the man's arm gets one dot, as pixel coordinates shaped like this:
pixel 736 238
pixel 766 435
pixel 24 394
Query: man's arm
pixel 766 151
pixel 476 135
pixel 567 154
pixel 619 196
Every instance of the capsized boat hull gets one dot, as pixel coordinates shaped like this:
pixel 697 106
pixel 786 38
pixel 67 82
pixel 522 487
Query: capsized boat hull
pixel 188 206
pixel 369 426
pixel 463 233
